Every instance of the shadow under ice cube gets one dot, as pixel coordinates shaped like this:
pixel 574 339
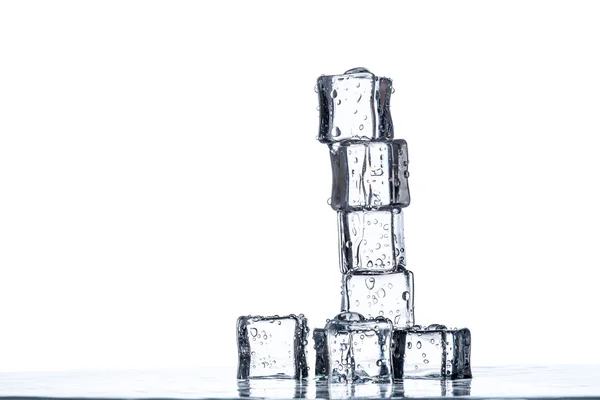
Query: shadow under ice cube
pixel 384 295
pixel 272 347
pixel 359 350
pixel 434 352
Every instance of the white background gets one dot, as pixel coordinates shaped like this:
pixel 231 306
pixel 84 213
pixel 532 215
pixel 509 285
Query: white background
pixel 159 173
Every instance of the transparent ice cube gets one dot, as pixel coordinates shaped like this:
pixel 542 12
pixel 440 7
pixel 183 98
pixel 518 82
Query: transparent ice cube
pixel 458 353
pixel 383 295
pixel 359 349
pixel 321 352
pixel 369 175
pixel 371 241
pixel 354 106
pixel 433 352
pixel 272 347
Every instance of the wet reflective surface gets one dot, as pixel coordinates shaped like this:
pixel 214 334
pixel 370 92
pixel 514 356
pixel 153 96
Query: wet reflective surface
pixel 513 381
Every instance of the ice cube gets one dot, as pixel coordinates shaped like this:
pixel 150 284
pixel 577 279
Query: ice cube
pixel 434 352
pixel 371 241
pixel 272 347
pixel 383 295
pixel 354 106
pixel 321 353
pixel 359 350
pixel 370 175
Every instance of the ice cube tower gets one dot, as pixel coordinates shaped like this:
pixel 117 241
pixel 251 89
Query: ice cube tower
pixel 369 192
pixel 374 338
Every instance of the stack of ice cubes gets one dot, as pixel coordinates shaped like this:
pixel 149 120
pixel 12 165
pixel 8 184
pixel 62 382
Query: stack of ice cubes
pixel 374 338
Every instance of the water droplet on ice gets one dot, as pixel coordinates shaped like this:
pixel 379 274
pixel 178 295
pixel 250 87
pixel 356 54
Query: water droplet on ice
pixel 361 128
pixel 336 132
pixel 253 331
pixel 435 327
pixel 334 93
pixel 370 282
pixel 348 243
pixel 418 345
pixel 405 296
pixel 357 303
pixel 357 70
pixel 381 293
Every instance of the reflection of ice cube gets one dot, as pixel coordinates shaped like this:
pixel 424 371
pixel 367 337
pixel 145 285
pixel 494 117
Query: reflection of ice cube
pixel 432 352
pixel 369 175
pixel 364 390
pixel 371 241
pixel 435 387
pixel 359 349
pixel 354 106
pixel 384 295
pixel 272 388
pixel 272 347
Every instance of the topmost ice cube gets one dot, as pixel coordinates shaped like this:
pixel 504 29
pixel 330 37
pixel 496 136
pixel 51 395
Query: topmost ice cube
pixel 354 106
